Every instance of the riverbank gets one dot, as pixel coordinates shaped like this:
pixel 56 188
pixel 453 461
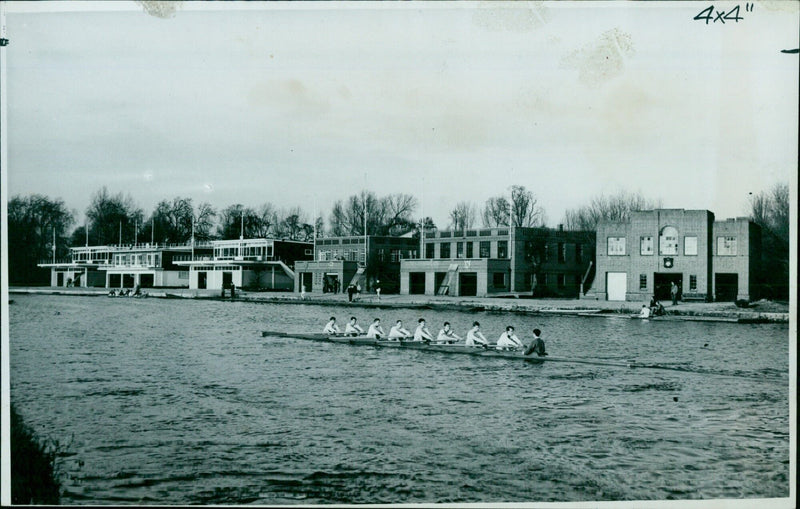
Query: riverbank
pixel 758 312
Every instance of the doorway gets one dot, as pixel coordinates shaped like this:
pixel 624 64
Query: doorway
pixel 726 287
pixel 662 284
pixel 305 280
pixel 616 285
pixel 468 284
pixel 202 280
pixel 227 279
pixel 416 283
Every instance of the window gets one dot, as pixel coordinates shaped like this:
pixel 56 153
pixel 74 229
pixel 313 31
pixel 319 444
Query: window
pixel 469 249
pixel 499 279
pixel 429 250
pixel 395 255
pixel 485 249
pixel 502 249
pixel 562 252
pixel 616 246
pixel 459 250
pixel 578 252
pixel 690 246
pixel 444 250
pixel 668 241
pixel 444 234
pixel 726 246
pixel 546 250
pixel 693 283
pixel 485 233
pixel 560 280
pixel 642 281
pixel 646 245
pixel 382 255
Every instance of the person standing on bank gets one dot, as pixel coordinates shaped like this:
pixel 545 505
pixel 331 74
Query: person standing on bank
pixel 350 290
pixel 378 288
pixel 673 291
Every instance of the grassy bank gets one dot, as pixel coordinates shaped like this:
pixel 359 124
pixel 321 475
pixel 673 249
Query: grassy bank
pixel 33 476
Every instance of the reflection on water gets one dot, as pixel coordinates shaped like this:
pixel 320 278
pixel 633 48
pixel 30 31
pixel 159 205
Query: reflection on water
pixel 162 401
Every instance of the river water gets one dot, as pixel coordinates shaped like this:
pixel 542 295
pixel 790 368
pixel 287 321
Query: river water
pixel 183 402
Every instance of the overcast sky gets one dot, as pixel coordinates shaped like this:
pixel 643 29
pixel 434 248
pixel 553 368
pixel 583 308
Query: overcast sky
pixel 304 104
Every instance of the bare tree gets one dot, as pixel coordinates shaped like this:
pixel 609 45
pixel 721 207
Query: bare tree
pixel 462 216
pixel 525 209
pixel 617 207
pixel 496 212
pixel 770 210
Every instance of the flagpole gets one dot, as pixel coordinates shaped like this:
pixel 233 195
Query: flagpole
pixel 120 233
pixel 152 231
pixel 54 244
pixel 192 237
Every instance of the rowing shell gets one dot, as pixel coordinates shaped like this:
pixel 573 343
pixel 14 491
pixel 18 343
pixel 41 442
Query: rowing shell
pixel 413 345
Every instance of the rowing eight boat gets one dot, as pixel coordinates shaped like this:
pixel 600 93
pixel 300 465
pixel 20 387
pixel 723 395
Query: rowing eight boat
pixel 414 345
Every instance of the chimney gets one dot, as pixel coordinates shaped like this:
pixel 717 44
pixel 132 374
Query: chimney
pixel 561 227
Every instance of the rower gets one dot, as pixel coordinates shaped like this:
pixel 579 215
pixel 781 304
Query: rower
pixel 422 333
pixel 537 345
pixel 446 335
pixel 645 312
pixel 352 328
pixel 375 330
pixel 508 340
pixel 398 332
pixel 475 336
pixel 331 328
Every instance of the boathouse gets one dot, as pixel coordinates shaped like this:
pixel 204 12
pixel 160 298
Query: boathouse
pixel 358 260
pixel 124 266
pixel 255 264
pixel 706 259
pixel 541 262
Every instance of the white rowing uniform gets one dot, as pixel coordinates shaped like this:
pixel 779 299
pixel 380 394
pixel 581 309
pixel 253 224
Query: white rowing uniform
pixel 375 331
pixel 447 336
pixel 509 341
pixel 475 337
pixel 421 333
pixel 398 332
pixel 331 328
pixel 353 329
pixel 644 313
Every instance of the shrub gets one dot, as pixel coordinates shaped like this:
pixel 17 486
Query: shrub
pixel 33 477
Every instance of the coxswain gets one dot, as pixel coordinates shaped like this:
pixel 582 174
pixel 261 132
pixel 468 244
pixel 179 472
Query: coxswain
pixel 331 328
pixel 398 332
pixel 375 330
pixel 422 333
pixel 508 340
pixel 475 337
pixel 537 345
pixel 446 335
pixel 352 328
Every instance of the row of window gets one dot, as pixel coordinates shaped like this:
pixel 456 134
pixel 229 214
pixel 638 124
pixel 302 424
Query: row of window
pixel 138 260
pixel 467 249
pixel 668 245
pixel 230 252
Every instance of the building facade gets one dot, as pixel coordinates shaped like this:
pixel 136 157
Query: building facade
pixel 706 259
pixel 358 260
pixel 254 264
pixel 125 266
pixel 479 262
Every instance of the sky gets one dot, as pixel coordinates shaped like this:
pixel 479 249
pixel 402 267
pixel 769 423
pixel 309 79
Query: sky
pixel 303 104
